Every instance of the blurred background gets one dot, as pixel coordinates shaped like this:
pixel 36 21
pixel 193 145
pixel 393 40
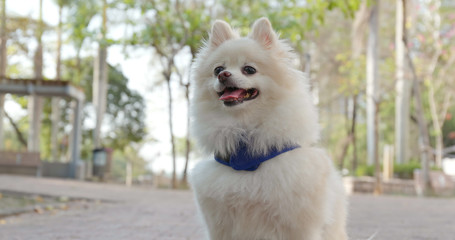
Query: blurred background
pixel 94 89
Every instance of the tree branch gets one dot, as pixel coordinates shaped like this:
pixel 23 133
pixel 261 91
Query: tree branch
pixel 19 134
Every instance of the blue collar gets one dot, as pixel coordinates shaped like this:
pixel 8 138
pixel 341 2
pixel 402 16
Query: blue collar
pixel 243 160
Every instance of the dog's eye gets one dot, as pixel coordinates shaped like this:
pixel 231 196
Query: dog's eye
pixel 249 70
pixel 218 70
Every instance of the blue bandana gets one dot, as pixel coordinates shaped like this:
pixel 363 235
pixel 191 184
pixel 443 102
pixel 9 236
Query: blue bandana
pixel 243 160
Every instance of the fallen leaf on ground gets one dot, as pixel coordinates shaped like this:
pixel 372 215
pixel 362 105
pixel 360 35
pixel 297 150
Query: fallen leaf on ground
pixel 49 207
pixel 63 199
pixel 39 199
pixel 38 210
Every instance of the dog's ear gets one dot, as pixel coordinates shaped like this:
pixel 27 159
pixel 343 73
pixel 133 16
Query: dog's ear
pixel 263 33
pixel 221 31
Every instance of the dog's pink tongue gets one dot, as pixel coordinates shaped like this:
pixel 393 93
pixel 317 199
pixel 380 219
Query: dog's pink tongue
pixel 230 95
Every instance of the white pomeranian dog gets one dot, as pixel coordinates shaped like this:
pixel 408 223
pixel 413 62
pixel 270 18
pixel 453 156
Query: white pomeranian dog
pixel 253 116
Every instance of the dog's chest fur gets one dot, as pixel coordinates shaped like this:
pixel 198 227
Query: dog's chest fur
pixel 269 203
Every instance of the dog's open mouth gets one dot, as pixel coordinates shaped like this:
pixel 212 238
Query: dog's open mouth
pixel 232 96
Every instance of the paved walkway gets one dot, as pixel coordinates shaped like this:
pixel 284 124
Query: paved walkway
pixel 145 213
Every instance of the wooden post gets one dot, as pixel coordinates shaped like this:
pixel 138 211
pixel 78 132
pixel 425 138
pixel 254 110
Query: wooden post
pixel 387 171
pixel 55 119
pixel 76 137
pixel 129 173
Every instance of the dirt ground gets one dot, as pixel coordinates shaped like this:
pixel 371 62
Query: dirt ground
pixel 118 212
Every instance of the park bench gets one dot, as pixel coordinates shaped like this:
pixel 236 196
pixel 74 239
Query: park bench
pixel 24 163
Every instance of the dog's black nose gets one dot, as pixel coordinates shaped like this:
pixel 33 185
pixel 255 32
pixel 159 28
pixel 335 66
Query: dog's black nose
pixel 224 76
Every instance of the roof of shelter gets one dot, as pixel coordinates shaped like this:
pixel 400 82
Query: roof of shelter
pixel 40 87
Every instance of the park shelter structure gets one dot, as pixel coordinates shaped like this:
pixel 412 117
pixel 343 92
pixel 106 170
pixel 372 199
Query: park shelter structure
pixel 52 88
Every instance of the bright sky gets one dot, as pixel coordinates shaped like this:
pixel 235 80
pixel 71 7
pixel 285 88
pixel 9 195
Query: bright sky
pixel 142 75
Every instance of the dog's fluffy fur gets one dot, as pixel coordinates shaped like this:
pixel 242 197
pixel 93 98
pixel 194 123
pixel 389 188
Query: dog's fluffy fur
pixel 296 195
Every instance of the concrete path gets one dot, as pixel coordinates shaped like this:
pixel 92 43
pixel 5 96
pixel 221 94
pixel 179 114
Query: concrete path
pixel 146 213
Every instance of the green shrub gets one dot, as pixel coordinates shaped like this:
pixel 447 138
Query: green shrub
pixel 406 170
pixel 403 171
pixel 364 170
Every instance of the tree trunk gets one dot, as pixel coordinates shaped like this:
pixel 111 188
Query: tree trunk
pixel 188 142
pixel 35 103
pixel 2 67
pixel 2 113
pixel 437 128
pixel 78 65
pixel 424 141
pixel 359 26
pixel 372 67
pixel 353 133
pixel 344 146
pixel 55 117
pixel 19 134
pixel 377 164
pixel 99 93
pixel 171 132
pixel 350 129
pixel 372 98
pixel 403 87
pixel 437 120
pixel 100 82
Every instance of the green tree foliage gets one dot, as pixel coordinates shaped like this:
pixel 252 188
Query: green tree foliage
pixel 125 111
pixel 82 13
pixel 294 20
pixel 171 26
pixel 319 27
pixel 125 114
pixel 174 25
